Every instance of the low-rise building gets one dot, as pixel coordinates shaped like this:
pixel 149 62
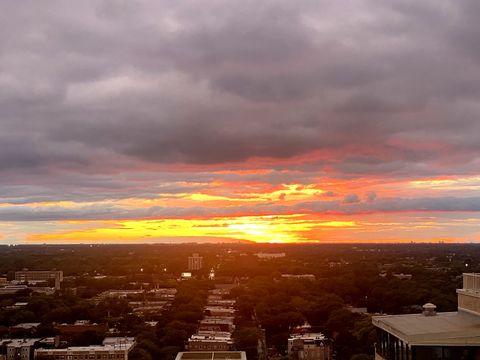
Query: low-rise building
pixel 116 351
pixel 212 355
pixel 309 346
pixel 20 349
pixel 210 342
pixel 12 289
pixel 217 324
pixel 120 294
pixel 219 311
pixel 40 276
pixel 432 335
pixel 118 340
pixel 68 332
pixel 23 329
pixel 220 302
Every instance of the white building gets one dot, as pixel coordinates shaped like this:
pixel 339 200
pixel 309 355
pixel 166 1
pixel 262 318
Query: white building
pixel 195 262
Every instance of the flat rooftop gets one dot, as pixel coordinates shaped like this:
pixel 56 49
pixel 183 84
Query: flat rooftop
pixel 211 355
pixel 447 329
pixel 308 336
pixel 91 348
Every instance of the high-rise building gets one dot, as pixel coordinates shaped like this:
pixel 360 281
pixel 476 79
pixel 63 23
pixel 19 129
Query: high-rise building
pixel 431 335
pixel 195 262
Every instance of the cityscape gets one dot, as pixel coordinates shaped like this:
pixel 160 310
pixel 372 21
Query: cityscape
pixel 240 180
pixel 240 301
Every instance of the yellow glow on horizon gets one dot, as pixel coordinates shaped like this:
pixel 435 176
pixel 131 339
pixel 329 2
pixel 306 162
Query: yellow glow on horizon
pixel 278 229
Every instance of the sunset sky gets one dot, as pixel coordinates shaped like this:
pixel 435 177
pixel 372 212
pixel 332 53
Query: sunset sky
pixel 218 120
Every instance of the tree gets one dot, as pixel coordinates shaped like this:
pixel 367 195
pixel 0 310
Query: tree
pixel 139 354
pixel 361 357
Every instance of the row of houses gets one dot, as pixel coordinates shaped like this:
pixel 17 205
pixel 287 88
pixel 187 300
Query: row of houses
pixel 216 328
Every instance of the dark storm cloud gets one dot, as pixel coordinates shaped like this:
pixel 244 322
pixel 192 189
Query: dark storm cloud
pixel 96 87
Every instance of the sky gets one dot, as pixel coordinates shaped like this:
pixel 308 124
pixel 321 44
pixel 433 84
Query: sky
pixel 225 120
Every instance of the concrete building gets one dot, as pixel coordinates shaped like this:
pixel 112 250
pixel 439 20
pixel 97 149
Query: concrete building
pixel 269 256
pixel 12 289
pixel 309 346
pixel 69 332
pixel 40 276
pixel 220 302
pixel 210 342
pixel 212 355
pixel 20 349
pixel 431 335
pixel 217 324
pixel 116 350
pixel 219 311
pixel 122 294
pixel 118 340
pixel 195 262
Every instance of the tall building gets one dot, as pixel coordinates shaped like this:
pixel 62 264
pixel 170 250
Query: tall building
pixel 431 335
pixel 309 346
pixel 195 262
pixel 37 276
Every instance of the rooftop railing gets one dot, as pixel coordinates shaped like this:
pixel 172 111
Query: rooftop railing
pixel 471 282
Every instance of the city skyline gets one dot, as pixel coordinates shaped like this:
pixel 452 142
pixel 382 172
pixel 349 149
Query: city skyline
pixel 279 121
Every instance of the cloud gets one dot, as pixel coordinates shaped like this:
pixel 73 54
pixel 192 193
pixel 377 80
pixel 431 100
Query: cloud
pixel 185 86
pixel 104 101
pixel 351 199
pixel 371 196
pixel 109 211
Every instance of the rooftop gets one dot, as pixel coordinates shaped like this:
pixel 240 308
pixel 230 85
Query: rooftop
pixel 449 328
pixel 308 336
pixel 210 338
pixel 211 355
pixel 21 342
pixel 116 347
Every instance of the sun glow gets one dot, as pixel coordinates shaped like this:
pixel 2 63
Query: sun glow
pixel 272 228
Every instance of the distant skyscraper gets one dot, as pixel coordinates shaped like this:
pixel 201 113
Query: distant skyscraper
pixel 195 262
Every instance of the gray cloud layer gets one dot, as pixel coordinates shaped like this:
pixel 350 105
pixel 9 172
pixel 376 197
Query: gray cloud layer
pixel 115 212
pixel 101 88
